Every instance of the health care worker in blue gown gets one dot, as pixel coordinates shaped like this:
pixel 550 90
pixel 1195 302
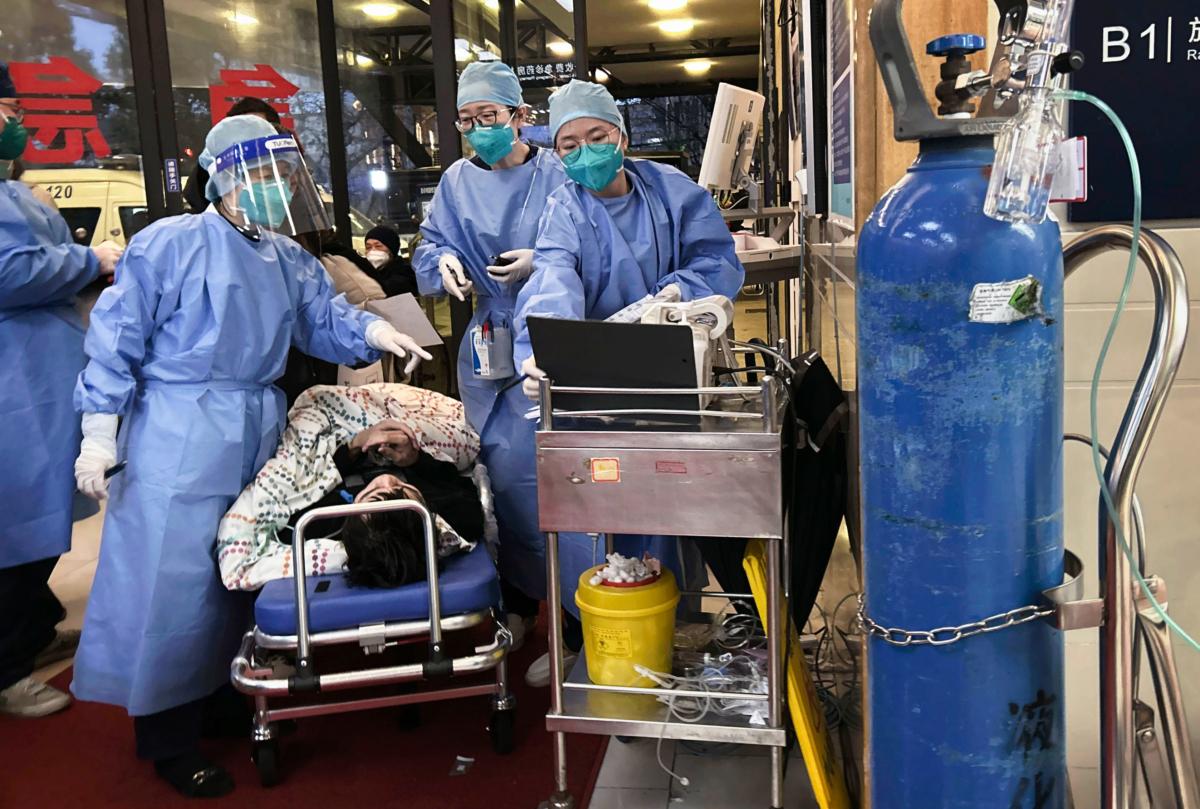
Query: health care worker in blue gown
pixel 620 231
pixel 486 208
pixel 42 269
pixel 479 236
pixel 182 351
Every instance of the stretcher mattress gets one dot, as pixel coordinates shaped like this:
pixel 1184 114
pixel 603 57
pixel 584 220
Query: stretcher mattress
pixel 468 583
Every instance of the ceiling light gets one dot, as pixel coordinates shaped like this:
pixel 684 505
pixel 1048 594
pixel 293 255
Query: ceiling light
pixel 491 5
pixel 569 5
pixel 238 18
pixel 462 50
pixel 560 48
pixel 362 60
pixel 602 75
pixel 380 11
pixel 677 26
pixel 662 6
pixel 697 67
pixel 379 179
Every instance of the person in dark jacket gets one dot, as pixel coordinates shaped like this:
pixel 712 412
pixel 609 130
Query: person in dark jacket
pixel 393 272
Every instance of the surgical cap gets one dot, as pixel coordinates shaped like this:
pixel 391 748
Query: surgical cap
pixel 489 81
pixel 229 132
pixel 583 99
pixel 7 88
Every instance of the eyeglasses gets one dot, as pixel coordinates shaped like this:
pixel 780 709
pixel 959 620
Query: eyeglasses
pixel 597 137
pixel 487 118
pixel 14 111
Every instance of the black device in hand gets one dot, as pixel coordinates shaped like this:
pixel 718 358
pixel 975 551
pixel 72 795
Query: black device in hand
pixel 500 261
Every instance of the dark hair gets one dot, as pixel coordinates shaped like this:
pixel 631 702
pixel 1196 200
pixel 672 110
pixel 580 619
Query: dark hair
pixel 250 105
pixel 386 549
pixel 385 236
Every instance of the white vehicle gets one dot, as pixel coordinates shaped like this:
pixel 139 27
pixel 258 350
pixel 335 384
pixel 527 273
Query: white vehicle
pixel 110 203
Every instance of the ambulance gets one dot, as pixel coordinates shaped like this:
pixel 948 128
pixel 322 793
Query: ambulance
pixel 110 202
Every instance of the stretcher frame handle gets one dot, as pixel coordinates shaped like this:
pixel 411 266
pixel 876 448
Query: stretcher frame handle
pixel 306 678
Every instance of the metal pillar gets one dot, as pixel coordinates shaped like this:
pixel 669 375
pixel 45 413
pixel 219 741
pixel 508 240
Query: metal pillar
pixel 445 78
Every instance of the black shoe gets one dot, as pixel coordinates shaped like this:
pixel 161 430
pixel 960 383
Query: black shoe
pixel 194 776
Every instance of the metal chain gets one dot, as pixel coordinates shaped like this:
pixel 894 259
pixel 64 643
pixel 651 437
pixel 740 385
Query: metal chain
pixel 945 635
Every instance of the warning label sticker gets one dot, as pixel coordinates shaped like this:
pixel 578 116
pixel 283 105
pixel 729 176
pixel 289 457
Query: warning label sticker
pixel 606 470
pixel 613 642
pixel 1006 302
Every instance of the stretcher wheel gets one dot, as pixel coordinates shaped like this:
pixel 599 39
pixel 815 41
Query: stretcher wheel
pixel 266 760
pixel 502 729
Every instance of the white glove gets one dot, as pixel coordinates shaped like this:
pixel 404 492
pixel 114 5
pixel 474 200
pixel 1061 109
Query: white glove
pixel 519 268
pixel 454 277
pixel 109 253
pixel 97 454
pixel 383 336
pixel 533 375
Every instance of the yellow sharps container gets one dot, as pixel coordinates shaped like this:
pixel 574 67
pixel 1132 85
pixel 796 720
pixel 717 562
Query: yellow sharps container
pixel 627 624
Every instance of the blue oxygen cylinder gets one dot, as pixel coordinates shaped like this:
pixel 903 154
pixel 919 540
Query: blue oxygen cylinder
pixel 960 380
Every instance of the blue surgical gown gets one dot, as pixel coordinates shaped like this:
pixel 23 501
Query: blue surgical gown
pixel 41 352
pixel 588 266
pixel 478 213
pixel 184 347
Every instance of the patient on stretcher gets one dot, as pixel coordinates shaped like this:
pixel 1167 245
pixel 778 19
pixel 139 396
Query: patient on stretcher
pixel 370 443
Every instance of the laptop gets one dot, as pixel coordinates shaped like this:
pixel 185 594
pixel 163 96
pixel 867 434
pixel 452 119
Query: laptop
pixel 597 354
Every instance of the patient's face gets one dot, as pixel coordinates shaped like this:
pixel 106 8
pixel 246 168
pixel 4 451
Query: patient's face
pixel 389 487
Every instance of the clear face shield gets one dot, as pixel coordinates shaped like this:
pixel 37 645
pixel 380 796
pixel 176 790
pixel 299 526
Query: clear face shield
pixel 264 182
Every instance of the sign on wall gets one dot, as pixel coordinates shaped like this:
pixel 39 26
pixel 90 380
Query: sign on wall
pixel 60 117
pixel 263 81
pixel 1143 60
pixel 545 74
pixel 841 113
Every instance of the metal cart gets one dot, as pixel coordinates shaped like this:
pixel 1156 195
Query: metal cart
pixel 717 476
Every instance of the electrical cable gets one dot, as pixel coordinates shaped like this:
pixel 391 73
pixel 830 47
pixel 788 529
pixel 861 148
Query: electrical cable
pixel 1093 400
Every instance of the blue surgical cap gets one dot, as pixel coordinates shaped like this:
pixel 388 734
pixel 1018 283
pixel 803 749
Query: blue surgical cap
pixel 583 99
pixel 229 132
pixel 7 88
pixel 489 81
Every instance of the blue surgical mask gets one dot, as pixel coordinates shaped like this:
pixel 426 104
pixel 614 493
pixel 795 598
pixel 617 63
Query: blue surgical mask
pixel 266 203
pixel 594 166
pixel 491 143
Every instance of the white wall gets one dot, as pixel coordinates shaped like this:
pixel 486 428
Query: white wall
pixel 1169 486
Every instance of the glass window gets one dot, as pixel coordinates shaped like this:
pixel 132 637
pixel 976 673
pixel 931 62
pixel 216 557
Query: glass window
pixel 133 218
pixel 388 111
pixel 70 64
pixel 545 59
pixel 226 50
pixel 81 221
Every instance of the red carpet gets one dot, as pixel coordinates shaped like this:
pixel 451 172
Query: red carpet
pixel 83 758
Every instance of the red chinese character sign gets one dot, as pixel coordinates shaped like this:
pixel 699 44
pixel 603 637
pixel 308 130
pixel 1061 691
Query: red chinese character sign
pixel 58 97
pixel 262 82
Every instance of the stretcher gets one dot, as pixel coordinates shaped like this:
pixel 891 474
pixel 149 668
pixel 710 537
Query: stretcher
pixel 296 616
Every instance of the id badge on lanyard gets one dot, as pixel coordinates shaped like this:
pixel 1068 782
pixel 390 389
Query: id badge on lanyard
pixel 491 351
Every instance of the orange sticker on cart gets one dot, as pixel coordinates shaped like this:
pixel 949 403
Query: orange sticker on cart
pixel 606 470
